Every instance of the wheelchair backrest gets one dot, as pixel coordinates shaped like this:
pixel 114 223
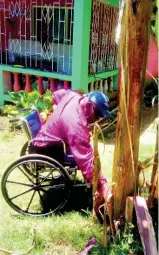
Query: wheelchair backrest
pixel 32 124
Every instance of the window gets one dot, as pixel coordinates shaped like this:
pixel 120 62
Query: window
pixel 52 24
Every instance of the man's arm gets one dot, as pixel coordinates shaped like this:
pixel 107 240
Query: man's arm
pixel 79 144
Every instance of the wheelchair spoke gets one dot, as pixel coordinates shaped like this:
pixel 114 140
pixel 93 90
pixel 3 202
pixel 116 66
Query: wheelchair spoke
pixel 31 200
pixel 20 183
pixel 46 177
pixel 36 172
pixel 41 198
pixel 23 193
pixel 26 175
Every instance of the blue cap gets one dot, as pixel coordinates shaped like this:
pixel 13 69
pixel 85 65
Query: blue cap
pixel 100 100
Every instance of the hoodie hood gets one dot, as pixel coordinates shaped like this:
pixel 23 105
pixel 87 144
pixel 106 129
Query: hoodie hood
pixel 58 95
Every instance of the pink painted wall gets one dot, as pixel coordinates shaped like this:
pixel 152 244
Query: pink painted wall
pixel 10 26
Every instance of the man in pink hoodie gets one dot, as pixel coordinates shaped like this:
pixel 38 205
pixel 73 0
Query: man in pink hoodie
pixel 69 123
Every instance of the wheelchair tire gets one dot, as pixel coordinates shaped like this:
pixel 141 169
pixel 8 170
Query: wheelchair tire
pixel 39 194
pixel 155 100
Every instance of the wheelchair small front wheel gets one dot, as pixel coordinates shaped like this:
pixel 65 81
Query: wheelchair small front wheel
pixel 40 194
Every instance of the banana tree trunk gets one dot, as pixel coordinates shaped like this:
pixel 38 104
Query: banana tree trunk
pixel 133 47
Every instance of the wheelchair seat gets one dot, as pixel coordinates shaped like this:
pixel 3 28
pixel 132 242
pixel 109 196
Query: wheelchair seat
pixel 56 151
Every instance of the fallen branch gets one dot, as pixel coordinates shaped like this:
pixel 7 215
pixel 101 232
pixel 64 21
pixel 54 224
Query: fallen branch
pixel 12 253
pixel 23 253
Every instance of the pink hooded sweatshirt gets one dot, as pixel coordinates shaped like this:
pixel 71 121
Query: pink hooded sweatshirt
pixel 68 124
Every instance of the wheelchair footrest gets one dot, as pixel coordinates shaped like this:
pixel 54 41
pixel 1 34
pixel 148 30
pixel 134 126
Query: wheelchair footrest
pixel 84 184
pixel 72 170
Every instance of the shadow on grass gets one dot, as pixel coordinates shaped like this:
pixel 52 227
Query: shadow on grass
pixel 80 200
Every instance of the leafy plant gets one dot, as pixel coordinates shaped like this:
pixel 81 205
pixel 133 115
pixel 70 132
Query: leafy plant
pixel 127 243
pixel 22 100
pixel 45 103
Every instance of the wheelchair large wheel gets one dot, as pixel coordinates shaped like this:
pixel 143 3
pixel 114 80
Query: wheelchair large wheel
pixel 155 100
pixel 41 193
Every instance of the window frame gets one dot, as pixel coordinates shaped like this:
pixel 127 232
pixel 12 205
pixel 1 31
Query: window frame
pixel 66 39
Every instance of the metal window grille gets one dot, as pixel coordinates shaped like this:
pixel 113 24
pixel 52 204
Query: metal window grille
pixel 103 48
pixel 37 34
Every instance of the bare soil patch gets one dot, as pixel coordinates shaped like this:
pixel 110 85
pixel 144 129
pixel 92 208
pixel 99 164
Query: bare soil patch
pixel 4 124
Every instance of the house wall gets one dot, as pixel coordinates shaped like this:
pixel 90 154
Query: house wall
pixel 17 36
pixel 15 18
pixel 18 25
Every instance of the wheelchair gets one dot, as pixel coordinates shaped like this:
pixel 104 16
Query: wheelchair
pixel 40 182
pixel 40 175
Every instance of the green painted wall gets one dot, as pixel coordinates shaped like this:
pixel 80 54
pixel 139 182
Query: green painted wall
pixel 102 75
pixel 112 2
pixel 5 96
pixel 36 72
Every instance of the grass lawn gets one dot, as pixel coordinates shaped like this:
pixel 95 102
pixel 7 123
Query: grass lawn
pixel 65 234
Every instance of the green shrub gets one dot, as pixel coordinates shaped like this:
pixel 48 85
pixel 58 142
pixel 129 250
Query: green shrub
pixel 22 100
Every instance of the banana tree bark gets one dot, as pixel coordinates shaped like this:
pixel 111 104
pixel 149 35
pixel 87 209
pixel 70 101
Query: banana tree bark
pixel 133 46
pixel 97 168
